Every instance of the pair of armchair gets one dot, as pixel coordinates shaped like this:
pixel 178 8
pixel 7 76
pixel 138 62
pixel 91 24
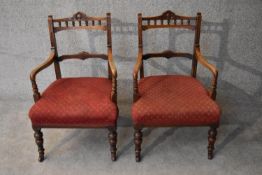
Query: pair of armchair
pixel 91 102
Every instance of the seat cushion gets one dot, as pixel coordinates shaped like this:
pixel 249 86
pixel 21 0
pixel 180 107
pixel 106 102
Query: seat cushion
pixel 173 100
pixel 70 102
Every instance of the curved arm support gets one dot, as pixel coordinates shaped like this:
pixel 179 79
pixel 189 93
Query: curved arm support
pixel 201 59
pixel 114 76
pixel 135 76
pixel 35 71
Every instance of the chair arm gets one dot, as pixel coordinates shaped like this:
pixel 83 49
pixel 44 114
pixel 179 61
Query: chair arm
pixel 114 76
pixel 135 76
pixel 35 71
pixel 137 65
pixel 201 59
pixel 112 64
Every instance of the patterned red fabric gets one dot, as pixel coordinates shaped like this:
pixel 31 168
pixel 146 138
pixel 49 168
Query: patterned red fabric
pixel 171 100
pixel 83 102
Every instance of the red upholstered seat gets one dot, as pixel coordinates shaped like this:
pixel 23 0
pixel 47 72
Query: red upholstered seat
pixel 172 100
pixel 83 102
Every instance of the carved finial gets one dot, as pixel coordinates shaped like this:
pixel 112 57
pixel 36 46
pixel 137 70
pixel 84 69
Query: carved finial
pixel 168 14
pixel 79 16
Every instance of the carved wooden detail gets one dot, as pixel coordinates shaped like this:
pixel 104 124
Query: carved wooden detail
pixel 79 16
pixel 39 142
pixel 112 137
pixel 92 27
pixel 168 19
pixel 167 54
pixel 168 15
pixel 82 55
pixel 80 21
pixel 212 133
pixel 138 135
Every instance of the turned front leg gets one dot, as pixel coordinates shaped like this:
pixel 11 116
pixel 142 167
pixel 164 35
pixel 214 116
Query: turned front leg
pixel 39 142
pixel 212 133
pixel 138 141
pixel 112 136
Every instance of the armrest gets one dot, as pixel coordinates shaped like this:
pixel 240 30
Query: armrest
pixel 114 76
pixel 135 76
pixel 201 59
pixel 137 65
pixel 112 64
pixel 36 70
pixel 42 66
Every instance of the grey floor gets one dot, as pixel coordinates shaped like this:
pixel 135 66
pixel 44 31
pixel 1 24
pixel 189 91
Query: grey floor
pixel 164 150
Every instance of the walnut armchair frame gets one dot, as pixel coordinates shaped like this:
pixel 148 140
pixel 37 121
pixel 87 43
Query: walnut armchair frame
pixel 170 20
pixel 79 21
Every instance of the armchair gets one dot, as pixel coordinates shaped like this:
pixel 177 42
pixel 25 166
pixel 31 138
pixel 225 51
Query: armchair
pixel 82 102
pixel 173 100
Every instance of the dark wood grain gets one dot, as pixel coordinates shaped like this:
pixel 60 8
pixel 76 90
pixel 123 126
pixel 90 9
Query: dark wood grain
pixel 167 54
pixel 83 55
pixel 138 137
pixel 112 137
pixel 196 44
pixel 54 46
pixel 39 142
pixel 212 133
